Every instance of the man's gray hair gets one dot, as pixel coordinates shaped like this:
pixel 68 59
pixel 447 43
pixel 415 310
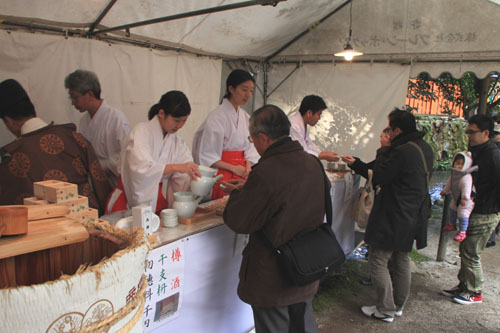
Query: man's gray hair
pixel 270 120
pixel 83 81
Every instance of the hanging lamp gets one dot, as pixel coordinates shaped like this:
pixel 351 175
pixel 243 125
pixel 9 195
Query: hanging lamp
pixel 348 53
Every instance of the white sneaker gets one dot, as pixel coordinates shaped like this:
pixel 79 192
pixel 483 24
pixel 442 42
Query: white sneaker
pixel 371 311
pixel 399 312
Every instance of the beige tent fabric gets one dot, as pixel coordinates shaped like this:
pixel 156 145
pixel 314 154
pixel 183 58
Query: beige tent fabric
pixel 359 98
pixel 132 78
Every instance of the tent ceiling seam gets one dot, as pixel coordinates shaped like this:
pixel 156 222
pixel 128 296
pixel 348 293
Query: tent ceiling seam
pixel 464 56
pixel 190 14
pixel 310 28
pixel 101 17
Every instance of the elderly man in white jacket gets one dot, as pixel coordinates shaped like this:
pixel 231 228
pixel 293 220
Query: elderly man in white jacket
pixel 105 127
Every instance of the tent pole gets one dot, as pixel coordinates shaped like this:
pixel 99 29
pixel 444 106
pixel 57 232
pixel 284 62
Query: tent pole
pixel 101 16
pixel 311 27
pixel 265 65
pixel 282 81
pixel 190 14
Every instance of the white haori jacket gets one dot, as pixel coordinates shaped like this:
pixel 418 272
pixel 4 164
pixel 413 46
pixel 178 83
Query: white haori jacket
pixel 299 132
pixel 143 160
pixel 107 132
pixel 224 129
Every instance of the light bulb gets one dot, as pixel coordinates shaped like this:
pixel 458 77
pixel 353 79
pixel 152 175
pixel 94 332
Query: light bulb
pixel 348 56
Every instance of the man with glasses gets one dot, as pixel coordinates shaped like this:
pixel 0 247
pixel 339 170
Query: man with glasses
pixel 284 194
pixel 484 216
pixel 105 127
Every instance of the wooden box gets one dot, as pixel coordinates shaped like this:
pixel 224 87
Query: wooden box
pixel 77 206
pixel 86 215
pixel 34 201
pixel 55 191
pixel 201 214
pixel 39 187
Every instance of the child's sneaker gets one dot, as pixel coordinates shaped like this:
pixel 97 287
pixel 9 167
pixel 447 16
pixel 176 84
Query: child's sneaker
pixel 449 227
pixel 475 298
pixel 455 291
pixel 460 236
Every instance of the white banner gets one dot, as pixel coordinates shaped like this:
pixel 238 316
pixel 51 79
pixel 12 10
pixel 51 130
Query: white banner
pixel 165 279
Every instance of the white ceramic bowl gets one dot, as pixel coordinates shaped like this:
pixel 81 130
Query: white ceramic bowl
pixel 185 209
pixel 169 222
pixel 183 196
pixel 168 213
pixel 124 223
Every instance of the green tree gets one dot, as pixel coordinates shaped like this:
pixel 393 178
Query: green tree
pixel 469 91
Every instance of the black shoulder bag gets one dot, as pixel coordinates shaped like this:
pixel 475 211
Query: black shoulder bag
pixel 309 255
pixel 426 207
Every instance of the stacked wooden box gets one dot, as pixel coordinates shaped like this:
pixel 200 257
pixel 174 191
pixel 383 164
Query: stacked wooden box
pixel 63 193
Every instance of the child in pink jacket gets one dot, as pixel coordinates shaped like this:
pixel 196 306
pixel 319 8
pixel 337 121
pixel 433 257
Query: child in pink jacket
pixel 460 187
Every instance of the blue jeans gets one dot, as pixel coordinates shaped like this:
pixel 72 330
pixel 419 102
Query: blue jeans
pixel 463 222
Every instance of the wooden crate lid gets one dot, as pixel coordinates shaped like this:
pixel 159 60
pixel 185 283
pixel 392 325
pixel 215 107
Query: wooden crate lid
pixel 44 234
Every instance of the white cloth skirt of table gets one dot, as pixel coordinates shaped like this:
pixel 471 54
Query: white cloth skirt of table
pixel 210 302
pixel 342 192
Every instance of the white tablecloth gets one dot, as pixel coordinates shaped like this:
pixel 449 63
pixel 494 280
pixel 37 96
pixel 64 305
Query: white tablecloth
pixel 342 192
pixel 210 302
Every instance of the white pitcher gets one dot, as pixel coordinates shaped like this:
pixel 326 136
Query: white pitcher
pixel 202 186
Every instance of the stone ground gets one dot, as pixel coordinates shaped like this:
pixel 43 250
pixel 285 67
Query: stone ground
pixel 426 310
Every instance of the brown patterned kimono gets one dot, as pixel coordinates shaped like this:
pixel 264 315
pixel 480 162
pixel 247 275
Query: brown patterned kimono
pixel 52 152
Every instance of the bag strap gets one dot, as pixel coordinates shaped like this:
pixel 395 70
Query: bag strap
pixel 423 160
pixel 369 184
pixel 328 207
pixel 328 198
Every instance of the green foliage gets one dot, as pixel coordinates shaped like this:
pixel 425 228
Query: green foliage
pixel 464 91
pixel 417 257
pixel 334 287
pixel 446 136
pixel 444 164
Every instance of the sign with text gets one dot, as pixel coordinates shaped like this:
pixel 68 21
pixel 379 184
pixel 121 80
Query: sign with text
pixel 165 283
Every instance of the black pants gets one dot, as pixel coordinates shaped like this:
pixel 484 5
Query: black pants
pixel 295 318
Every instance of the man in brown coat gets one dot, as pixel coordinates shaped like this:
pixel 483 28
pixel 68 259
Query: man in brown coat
pixel 284 194
pixel 44 151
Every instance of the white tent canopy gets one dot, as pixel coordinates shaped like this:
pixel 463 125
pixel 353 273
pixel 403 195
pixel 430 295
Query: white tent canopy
pixel 288 46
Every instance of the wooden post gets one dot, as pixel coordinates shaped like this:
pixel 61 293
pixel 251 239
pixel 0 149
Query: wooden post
pixel 443 240
pixel 484 87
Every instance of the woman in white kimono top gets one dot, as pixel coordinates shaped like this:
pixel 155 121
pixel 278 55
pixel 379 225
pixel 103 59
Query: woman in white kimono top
pixel 222 140
pixel 155 158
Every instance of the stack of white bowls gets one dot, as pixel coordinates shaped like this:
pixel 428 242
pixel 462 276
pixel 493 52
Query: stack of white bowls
pixel 169 218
